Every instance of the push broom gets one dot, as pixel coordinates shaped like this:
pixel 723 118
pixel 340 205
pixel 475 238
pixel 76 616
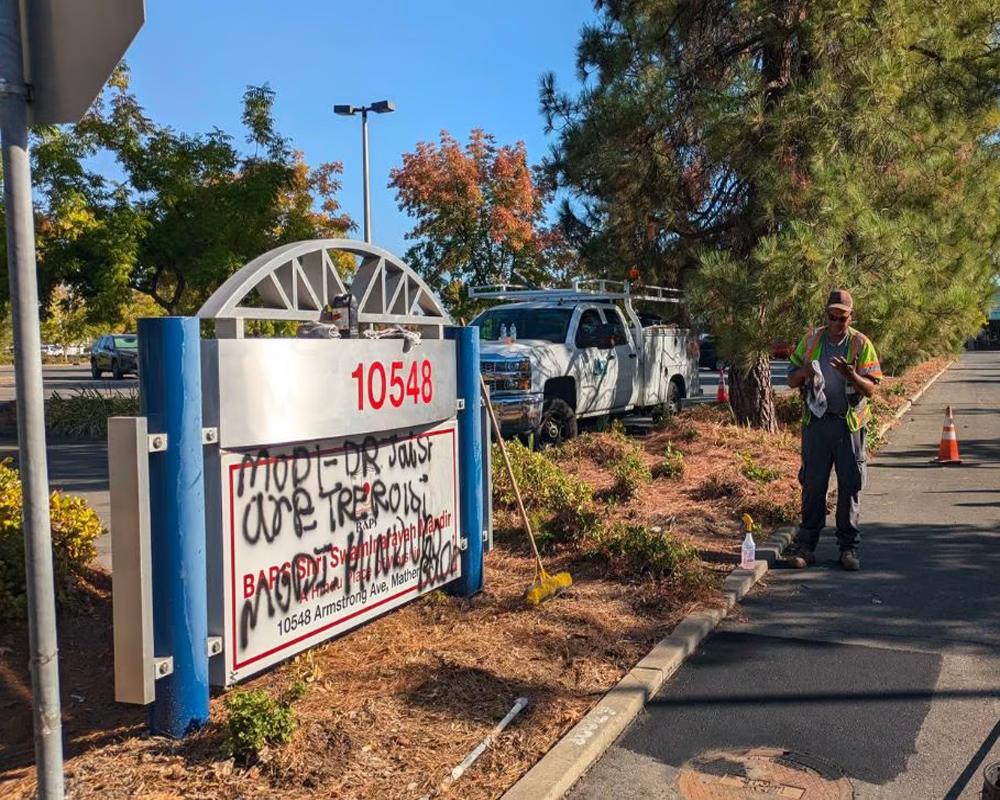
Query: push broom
pixel 544 586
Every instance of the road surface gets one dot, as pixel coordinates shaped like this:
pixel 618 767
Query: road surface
pixel 66 380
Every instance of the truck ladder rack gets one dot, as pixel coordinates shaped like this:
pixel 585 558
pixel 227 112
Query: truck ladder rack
pixel 595 289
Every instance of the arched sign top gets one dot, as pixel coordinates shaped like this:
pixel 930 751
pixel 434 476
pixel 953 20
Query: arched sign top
pixel 293 282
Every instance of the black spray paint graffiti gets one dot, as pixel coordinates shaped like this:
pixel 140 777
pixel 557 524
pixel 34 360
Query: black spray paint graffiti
pixel 341 482
pixel 431 551
pixel 288 491
pixel 277 471
pixel 304 573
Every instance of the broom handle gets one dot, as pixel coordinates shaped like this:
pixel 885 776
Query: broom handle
pixel 510 469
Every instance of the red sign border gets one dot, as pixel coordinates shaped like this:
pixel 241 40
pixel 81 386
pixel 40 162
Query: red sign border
pixel 452 431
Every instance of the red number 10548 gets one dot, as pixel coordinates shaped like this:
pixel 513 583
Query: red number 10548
pixel 398 385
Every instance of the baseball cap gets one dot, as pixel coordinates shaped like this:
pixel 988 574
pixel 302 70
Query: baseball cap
pixel 840 298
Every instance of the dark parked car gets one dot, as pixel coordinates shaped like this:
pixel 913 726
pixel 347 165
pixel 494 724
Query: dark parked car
pixel 117 353
pixel 707 356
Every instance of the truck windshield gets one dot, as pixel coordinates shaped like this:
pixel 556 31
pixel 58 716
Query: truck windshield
pixel 546 324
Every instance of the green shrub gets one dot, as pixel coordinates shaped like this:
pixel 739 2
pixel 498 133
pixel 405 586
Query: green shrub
pixel 688 434
pixel 630 474
pixel 771 509
pixel 662 421
pixel 878 413
pixel 560 506
pixel 755 472
pixel 673 462
pixel 256 720
pixel 718 485
pixel 785 512
pixel 634 549
pixel 75 526
pixel 601 448
pixel 86 412
pixel 788 409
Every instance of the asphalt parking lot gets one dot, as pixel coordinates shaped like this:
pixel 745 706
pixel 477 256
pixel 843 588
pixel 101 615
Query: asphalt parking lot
pixel 65 379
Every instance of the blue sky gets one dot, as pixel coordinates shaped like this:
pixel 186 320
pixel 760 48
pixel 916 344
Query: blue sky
pixel 447 64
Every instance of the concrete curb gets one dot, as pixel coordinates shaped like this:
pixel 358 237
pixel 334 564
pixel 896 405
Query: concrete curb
pixel 586 742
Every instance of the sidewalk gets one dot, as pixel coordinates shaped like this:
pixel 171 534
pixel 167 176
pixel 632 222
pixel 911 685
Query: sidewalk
pixel 889 677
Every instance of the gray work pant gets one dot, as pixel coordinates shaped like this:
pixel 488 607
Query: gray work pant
pixel 826 443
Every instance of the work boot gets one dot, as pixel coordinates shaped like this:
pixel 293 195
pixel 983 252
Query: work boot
pixel 849 559
pixel 799 556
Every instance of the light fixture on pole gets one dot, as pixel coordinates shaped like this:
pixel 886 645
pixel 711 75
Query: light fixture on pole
pixel 381 107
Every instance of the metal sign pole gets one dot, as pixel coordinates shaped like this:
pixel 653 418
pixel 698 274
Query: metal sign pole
pixel 170 399
pixel 470 459
pixel 44 661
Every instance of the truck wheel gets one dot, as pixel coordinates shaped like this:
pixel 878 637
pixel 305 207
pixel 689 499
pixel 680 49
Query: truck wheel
pixel 558 423
pixel 673 404
pixel 94 371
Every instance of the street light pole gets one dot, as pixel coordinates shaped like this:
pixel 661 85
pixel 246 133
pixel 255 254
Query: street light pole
pixel 381 107
pixel 364 159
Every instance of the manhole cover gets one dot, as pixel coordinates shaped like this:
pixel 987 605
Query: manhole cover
pixel 761 773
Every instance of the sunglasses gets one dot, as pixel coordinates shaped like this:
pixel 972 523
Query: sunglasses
pixel 839 318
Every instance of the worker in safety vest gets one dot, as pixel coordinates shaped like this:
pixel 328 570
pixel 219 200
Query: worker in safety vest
pixel 837 369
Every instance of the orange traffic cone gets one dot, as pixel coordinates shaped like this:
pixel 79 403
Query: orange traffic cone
pixel 722 396
pixel 948 450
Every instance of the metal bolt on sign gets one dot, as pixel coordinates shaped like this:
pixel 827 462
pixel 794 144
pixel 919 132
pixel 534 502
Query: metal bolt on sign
pixel 164 667
pixel 157 442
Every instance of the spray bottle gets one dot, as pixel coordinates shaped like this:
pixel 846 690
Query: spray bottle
pixel 749 551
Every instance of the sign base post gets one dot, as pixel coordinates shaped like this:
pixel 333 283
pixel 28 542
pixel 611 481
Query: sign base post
pixel 170 399
pixel 470 460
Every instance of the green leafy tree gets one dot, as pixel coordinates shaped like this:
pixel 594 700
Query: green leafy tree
pixel 191 210
pixel 480 217
pixel 68 320
pixel 763 152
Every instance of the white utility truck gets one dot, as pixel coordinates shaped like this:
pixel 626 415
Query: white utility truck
pixel 551 357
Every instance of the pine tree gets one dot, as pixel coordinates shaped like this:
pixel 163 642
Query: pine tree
pixel 763 152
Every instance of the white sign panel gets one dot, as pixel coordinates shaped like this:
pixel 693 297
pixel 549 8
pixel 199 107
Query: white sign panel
pixel 322 537
pixel 263 391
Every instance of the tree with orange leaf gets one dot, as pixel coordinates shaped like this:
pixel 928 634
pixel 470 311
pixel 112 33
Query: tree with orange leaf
pixel 480 217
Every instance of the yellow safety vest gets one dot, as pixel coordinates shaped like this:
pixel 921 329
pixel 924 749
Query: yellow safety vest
pixel 860 353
